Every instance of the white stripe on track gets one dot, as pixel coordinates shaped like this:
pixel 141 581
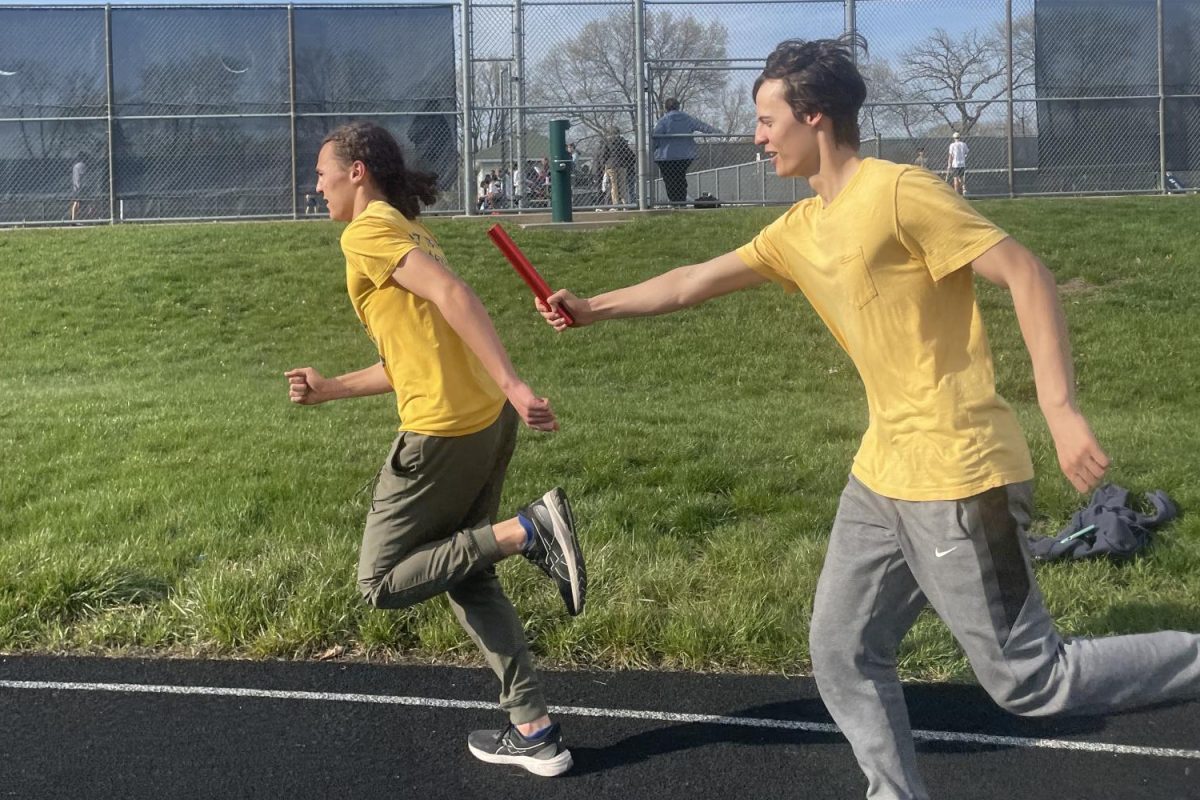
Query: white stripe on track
pixel 612 713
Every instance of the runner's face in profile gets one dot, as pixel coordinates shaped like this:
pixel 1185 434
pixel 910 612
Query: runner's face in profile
pixel 336 184
pixel 789 143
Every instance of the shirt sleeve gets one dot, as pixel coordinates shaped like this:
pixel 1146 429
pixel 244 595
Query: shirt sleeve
pixel 762 254
pixel 375 248
pixel 938 226
pixel 703 127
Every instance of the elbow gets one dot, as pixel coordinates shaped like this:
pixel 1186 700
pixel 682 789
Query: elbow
pixel 1033 274
pixel 683 299
pixel 1015 268
pixel 688 293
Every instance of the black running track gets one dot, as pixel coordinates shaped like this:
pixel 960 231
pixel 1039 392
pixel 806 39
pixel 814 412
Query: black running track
pixel 74 743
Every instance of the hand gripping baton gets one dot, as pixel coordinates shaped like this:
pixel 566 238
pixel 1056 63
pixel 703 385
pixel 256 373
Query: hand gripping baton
pixel 521 264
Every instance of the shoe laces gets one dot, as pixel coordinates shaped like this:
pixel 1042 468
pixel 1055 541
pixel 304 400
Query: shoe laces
pixel 502 734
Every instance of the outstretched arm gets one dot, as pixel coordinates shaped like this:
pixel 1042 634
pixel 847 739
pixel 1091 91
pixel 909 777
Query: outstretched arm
pixel 424 276
pixel 680 288
pixel 1044 328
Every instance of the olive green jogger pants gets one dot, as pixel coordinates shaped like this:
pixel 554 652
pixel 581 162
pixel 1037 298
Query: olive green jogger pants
pixel 429 531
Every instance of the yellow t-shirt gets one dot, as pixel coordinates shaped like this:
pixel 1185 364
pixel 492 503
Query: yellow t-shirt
pixel 883 266
pixel 441 388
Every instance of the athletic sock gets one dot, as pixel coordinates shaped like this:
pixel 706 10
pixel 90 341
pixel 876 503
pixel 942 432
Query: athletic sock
pixel 528 526
pixel 538 734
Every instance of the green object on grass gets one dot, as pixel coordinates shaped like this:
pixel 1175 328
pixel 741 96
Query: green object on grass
pixel 1078 533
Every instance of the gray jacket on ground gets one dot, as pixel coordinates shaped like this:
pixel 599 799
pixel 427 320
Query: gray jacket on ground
pixel 1109 525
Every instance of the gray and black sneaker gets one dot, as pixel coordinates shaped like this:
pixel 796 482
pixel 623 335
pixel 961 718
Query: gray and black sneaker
pixel 554 547
pixel 543 755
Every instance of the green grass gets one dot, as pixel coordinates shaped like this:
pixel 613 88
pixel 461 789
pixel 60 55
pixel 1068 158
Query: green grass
pixel 158 493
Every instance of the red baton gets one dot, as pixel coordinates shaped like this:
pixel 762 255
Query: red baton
pixel 521 264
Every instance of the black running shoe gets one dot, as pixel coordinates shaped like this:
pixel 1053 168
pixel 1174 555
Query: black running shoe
pixel 554 547
pixel 543 756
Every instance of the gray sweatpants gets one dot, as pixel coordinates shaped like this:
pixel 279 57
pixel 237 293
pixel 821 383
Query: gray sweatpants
pixel 968 559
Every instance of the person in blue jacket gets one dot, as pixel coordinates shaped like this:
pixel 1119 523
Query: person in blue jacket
pixel 675 147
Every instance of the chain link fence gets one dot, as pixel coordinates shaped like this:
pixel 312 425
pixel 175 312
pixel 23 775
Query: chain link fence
pixel 114 114
pixel 130 113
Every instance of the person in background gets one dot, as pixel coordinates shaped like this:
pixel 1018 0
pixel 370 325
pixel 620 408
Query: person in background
pixel 616 158
pixel 518 184
pixel 956 163
pixel 675 148
pixel 78 175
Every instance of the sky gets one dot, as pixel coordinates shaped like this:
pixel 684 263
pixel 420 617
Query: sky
pixel 890 26
pixel 195 3
pixel 885 23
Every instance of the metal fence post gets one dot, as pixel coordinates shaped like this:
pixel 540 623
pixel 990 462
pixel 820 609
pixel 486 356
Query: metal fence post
pixel 1162 104
pixel 1008 124
pixel 519 81
pixel 639 90
pixel 291 20
pixel 468 87
pixel 851 26
pixel 108 69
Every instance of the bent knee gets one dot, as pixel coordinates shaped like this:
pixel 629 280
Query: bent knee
pixel 831 650
pixel 376 595
pixel 1041 696
pixel 369 592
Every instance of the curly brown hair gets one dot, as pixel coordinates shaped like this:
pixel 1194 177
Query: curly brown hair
pixel 820 77
pixel 380 153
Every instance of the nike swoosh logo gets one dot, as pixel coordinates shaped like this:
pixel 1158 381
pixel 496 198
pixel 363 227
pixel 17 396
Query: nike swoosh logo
pixel 940 553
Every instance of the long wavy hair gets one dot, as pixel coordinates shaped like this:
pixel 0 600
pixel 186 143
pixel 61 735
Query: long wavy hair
pixel 379 151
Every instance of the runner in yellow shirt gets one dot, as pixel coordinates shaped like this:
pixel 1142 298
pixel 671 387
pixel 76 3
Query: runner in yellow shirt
pixel 940 493
pixel 432 526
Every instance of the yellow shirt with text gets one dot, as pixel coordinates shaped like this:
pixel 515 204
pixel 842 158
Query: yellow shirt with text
pixel 883 266
pixel 441 388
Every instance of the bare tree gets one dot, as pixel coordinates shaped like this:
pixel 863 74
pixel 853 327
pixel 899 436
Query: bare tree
pixel 683 43
pixel 892 108
pixel 1024 74
pixel 960 78
pixel 596 68
pixel 733 109
pixel 490 118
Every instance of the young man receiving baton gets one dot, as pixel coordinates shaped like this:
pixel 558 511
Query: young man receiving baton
pixel 432 526
pixel 940 492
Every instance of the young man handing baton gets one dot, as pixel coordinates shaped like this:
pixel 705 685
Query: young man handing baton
pixel 940 492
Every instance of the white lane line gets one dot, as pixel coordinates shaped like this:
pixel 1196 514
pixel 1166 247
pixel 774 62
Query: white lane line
pixel 612 713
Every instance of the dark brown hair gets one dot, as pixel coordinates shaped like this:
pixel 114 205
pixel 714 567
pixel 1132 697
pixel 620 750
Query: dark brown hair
pixel 379 151
pixel 820 77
